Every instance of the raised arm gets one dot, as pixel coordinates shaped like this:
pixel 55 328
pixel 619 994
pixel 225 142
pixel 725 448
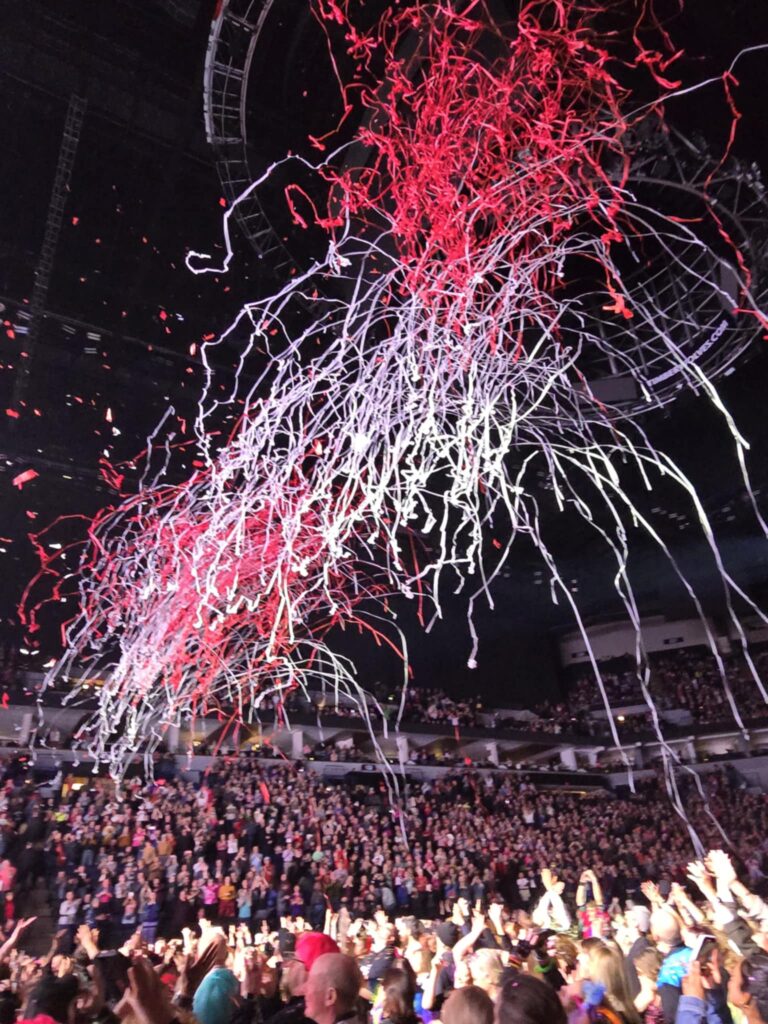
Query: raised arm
pixel 10 944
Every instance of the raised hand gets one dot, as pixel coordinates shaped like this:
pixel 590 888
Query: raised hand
pixel 651 892
pixel 192 971
pixel 719 863
pixel 252 971
pixel 8 946
pixel 146 999
pixel 693 982
pixel 494 915
pixel 698 873
pixel 86 939
pixel 678 894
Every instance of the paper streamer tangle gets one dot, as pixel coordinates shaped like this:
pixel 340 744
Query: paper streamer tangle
pixel 511 225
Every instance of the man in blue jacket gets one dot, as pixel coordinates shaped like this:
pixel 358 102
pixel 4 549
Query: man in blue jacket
pixel 665 929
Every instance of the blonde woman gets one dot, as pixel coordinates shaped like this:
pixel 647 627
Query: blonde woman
pixel 648 1000
pixel 605 967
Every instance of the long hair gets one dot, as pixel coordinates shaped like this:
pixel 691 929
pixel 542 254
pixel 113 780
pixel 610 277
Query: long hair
pixel 606 966
pixel 399 987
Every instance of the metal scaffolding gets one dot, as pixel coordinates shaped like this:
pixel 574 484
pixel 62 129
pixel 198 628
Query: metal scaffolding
pixel 231 47
pixel 69 142
pixel 73 124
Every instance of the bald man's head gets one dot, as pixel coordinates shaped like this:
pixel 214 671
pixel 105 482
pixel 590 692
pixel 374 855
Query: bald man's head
pixel 665 928
pixel 332 987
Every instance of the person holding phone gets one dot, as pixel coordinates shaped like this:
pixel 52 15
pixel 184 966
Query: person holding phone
pixel 703 999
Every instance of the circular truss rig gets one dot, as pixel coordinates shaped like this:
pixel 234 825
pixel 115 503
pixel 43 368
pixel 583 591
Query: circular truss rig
pixel 630 372
pixel 695 287
pixel 231 46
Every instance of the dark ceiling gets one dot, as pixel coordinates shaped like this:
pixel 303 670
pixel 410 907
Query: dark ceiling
pixel 116 340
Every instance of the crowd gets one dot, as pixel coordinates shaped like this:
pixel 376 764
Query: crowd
pixel 265 894
pixel 688 679
pixel 691 680
pixel 620 683
pixel 435 706
pixel 427 705
pixel 556 718
pixel 347 751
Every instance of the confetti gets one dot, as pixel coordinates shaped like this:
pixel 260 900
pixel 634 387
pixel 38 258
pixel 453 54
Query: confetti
pixel 447 393
pixel 24 478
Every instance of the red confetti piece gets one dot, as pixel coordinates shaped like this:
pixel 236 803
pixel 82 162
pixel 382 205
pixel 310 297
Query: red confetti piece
pixel 12 413
pixel 24 478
